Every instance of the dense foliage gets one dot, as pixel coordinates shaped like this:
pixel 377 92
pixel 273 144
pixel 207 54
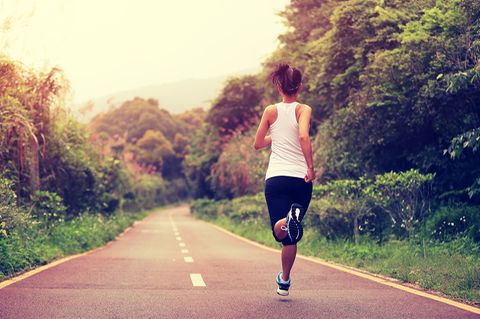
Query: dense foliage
pixel 60 192
pixel 148 135
pixel 151 143
pixel 393 85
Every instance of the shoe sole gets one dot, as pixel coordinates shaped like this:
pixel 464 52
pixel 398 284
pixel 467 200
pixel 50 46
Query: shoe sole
pixel 294 228
pixel 282 292
pixel 301 214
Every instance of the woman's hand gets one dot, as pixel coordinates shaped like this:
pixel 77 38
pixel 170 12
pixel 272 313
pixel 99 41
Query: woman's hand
pixel 304 138
pixel 310 177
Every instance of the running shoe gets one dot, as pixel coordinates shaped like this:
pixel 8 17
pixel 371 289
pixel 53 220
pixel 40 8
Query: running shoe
pixel 292 222
pixel 283 286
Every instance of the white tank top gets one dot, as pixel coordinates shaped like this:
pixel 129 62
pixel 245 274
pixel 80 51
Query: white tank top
pixel 287 158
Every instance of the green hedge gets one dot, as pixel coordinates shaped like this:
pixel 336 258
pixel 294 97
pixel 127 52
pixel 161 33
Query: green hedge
pixel 32 244
pixel 451 267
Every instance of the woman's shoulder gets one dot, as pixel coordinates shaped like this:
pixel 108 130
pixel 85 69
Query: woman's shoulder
pixel 303 106
pixel 270 113
pixel 300 108
pixel 270 109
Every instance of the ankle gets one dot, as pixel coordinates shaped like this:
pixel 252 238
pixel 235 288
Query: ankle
pixel 284 277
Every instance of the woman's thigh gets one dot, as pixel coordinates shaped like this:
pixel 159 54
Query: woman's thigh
pixel 277 198
pixel 301 193
pixel 283 191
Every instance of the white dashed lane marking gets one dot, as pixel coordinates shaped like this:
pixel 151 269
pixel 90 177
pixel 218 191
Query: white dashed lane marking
pixel 188 259
pixel 197 280
pixel 181 244
pixel 184 251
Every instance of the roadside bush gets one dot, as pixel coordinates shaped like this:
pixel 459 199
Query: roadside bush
pixel 448 223
pixel 176 190
pixel 247 209
pixel 240 168
pixel 47 208
pixel 31 246
pixel 205 208
pixel 112 182
pixel 204 149
pixel 70 167
pixel 108 203
pixel 405 196
pixel 327 220
pixel 333 220
pixel 147 192
pixel 391 205
pixel 244 209
pixel 351 196
pixel 11 216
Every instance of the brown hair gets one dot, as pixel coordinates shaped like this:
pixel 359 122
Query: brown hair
pixel 288 78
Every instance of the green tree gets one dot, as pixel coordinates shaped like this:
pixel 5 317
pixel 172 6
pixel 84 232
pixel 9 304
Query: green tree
pixel 240 169
pixel 152 149
pixel 237 107
pixel 204 150
pixel 134 118
pixel 26 100
pixel 397 81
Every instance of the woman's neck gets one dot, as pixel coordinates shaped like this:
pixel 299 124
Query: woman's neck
pixel 289 99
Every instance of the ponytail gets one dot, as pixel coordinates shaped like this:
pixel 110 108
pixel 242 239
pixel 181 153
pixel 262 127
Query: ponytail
pixel 287 78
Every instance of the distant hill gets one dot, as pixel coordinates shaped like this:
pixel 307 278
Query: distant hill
pixel 175 97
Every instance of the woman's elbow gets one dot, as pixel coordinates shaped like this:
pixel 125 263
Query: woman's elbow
pixel 304 138
pixel 256 146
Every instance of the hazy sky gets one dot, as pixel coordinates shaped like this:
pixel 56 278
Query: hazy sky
pixel 110 45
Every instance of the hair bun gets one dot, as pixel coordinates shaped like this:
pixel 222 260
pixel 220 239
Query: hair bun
pixel 282 68
pixel 287 78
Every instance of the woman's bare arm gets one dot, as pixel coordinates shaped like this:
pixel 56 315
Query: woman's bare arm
pixel 306 145
pixel 261 138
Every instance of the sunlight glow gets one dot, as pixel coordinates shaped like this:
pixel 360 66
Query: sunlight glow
pixel 106 46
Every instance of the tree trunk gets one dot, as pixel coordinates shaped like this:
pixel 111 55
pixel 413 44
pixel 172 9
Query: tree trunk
pixel 356 233
pixel 34 166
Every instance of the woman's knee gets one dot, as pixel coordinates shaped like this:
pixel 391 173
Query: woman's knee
pixel 279 231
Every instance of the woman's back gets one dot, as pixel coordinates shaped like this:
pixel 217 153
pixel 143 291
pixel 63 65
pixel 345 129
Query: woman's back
pixel 287 158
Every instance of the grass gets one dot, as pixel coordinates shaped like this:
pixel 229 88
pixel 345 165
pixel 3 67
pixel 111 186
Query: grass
pixel 34 245
pixel 452 268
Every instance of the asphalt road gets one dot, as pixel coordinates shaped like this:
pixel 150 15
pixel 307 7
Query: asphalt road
pixel 172 266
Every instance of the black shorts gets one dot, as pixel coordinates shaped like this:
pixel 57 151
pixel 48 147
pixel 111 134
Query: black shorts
pixel 280 193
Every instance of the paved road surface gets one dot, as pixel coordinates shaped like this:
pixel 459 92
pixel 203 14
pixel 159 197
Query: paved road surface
pixel 147 273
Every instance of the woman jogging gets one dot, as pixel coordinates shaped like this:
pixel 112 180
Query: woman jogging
pixel 290 173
